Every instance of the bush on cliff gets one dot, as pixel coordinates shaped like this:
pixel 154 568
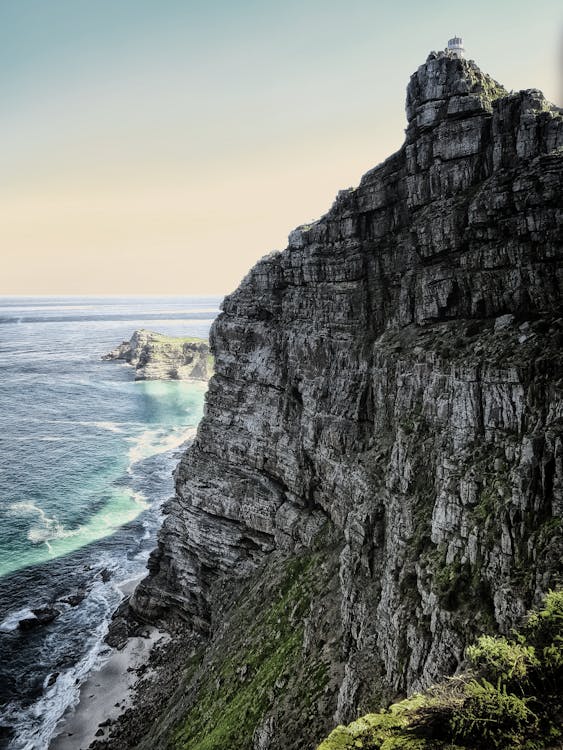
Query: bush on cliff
pixel 510 697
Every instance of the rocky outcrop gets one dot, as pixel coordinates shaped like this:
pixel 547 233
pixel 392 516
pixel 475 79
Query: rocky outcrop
pixel 40 616
pixel 388 389
pixel 158 357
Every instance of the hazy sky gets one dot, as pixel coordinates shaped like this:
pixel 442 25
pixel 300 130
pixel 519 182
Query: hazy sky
pixel 163 146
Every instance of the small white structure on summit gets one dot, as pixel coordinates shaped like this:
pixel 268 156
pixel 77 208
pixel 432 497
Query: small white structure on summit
pixel 455 46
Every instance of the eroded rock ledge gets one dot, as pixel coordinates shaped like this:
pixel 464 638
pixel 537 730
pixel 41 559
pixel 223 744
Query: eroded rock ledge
pixel 388 390
pixel 158 357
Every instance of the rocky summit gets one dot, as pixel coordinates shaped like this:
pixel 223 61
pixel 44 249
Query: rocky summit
pixel 378 476
pixel 158 357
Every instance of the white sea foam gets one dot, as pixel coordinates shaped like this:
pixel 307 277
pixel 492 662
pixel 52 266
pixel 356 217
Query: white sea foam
pixel 26 507
pixel 49 537
pixel 52 530
pixel 156 441
pixel 36 724
pixel 117 427
pixel 109 426
pixel 45 529
pixel 12 621
pixel 80 382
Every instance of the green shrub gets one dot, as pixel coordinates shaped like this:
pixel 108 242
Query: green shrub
pixel 510 699
pixel 545 626
pixel 491 717
pixel 500 659
pixel 544 630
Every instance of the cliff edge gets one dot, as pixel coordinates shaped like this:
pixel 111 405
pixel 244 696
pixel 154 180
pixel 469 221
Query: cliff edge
pixel 378 475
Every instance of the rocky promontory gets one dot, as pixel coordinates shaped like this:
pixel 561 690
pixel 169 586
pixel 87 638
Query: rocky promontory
pixel 378 477
pixel 158 357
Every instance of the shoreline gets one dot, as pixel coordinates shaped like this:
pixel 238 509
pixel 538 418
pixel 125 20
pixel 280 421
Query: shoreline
pixel 108 691
pixel 69 548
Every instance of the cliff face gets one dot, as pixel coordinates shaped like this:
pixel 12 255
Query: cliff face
pixel 388 390
pixel 158 357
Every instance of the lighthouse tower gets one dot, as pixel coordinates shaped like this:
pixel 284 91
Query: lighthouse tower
pixel 455 46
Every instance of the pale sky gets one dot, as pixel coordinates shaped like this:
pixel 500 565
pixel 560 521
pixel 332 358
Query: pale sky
pixel 163 146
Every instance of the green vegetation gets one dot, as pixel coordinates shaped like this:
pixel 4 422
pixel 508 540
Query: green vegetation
pixel 388 729
pixel 235 693
pixel 501 659
pixel 491 717
pixel 510 698
pixel 161 338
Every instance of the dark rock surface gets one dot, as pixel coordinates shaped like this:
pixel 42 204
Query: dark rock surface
pixel 74 599
pixel 124 626
pixel 391 382
pixel 41 616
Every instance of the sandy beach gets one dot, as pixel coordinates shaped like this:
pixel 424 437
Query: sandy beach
pixel 107 692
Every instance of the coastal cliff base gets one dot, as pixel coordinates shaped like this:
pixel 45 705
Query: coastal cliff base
pixel 275 653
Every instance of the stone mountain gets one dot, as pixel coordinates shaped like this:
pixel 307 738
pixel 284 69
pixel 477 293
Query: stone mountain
pixel 378 475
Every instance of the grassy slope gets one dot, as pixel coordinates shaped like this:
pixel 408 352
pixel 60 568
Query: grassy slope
pixel 237 691
pixel 161 338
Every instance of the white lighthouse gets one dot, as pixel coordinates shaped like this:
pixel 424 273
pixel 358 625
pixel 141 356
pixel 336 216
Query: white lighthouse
pixel 455 46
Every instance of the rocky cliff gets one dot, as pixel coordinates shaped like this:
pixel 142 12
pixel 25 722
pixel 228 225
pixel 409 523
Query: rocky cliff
pixel 378 475
pixel 158 357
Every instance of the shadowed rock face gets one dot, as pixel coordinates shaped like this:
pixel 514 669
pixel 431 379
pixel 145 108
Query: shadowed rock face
pixel 394 376
pixel 158 357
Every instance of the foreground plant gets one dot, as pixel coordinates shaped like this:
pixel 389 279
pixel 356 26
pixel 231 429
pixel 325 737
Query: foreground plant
pixel 510 697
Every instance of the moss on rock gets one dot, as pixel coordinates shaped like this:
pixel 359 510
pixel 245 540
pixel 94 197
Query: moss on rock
pixel 238 690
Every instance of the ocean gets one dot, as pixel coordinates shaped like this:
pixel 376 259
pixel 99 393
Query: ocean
pixel 86 460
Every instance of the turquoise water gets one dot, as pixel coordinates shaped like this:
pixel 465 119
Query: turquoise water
pixel 86 460
pixel 63 482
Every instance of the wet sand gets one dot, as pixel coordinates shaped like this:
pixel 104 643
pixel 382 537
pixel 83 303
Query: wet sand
pixel 106 693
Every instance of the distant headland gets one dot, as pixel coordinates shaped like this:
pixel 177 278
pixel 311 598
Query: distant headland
pixel 158 357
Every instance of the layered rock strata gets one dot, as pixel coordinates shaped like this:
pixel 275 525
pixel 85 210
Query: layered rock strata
pixel 158 357
pixel 391 382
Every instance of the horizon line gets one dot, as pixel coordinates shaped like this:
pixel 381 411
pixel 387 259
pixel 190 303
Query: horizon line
pixel 117 294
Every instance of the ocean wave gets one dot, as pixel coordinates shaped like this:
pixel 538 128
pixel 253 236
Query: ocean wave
pixel 41 438
pixel 57 388
pixel 50 539
pixel 109 426
pixel 36 724
pixel 13 619
pixel 46 529
pixel 51 531
pixel 155 441
pixel 117 427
